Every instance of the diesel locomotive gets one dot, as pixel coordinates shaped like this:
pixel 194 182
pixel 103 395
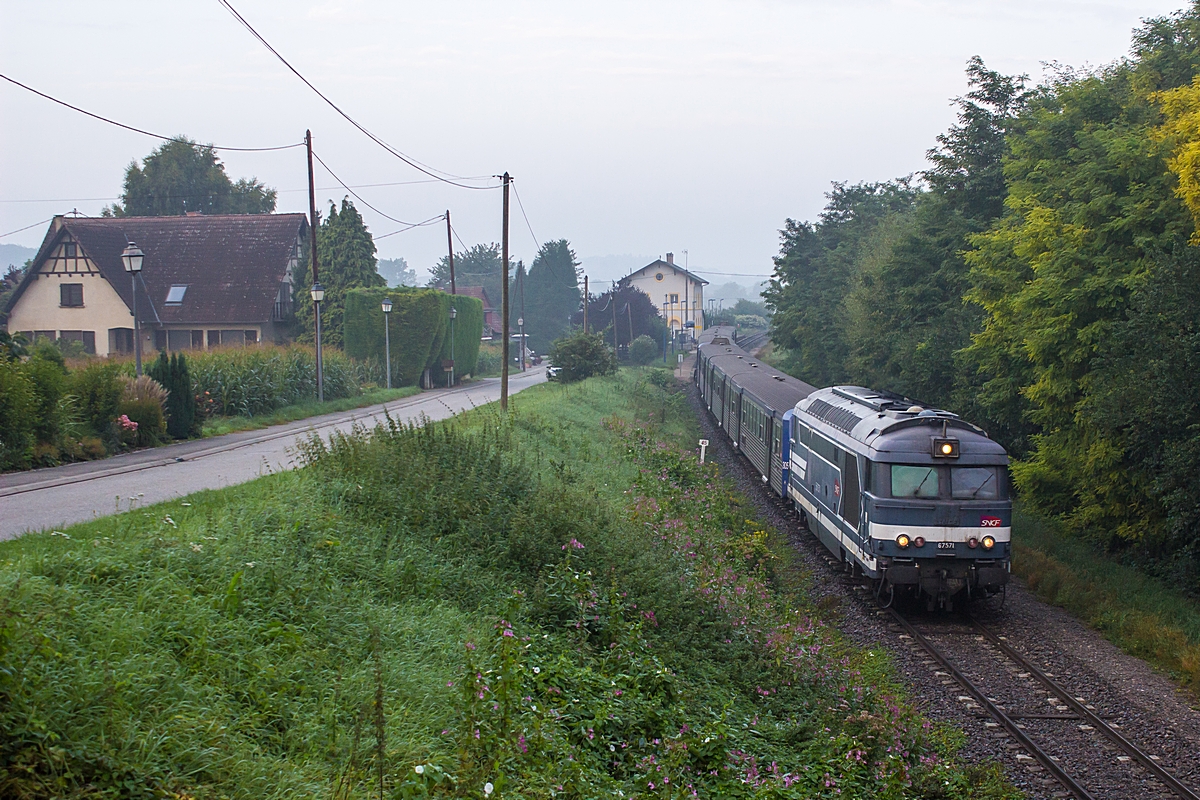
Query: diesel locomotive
pixel 914 498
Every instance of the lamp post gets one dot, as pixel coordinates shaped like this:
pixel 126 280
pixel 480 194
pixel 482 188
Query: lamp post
pixel 387 339
pixel 132 257
pixel 318 294
pixel 521 327
pixel 453 314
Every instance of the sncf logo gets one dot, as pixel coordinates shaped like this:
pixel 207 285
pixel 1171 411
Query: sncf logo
pixel 989 522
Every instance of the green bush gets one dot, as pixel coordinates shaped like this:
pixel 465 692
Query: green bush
pixel 98 392
pixel 419 329
pixel 489 361
pixel 643 350
pixel 49 377
pixel 172 373
pixel 582 355
pixel 18 409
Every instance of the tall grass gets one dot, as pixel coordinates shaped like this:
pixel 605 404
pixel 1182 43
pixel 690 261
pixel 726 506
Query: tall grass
pixel 249 381
pixel 1140 614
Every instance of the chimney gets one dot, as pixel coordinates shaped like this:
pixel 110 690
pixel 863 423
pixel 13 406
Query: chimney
pixel 671 259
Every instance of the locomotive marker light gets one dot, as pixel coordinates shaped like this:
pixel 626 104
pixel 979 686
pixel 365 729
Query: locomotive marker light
pixel 902 540
pixel 945 447
pixel 972 543
pixel 919 541
pixel 989 542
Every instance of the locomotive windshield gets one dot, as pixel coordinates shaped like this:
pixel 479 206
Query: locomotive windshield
pixel 974 483
pixel 914 481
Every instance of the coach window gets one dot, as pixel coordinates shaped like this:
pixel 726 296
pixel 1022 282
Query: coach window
pixel 914 481
pixel 974 483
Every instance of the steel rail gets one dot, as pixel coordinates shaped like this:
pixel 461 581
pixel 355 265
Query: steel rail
pixel 997 713
pixel 1086 713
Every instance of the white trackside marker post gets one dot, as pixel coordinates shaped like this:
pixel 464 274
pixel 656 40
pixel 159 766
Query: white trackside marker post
pixel 703 445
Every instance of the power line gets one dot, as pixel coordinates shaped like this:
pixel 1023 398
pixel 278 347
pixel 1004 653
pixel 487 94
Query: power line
pixel 412 162
pixel 429 221
pixel 277 191
pixel 733 274
pixel 140 130
pixel 360 197
pixel 523 214
pixel 27 227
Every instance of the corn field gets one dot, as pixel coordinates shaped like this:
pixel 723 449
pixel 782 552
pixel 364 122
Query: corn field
pixel 248 382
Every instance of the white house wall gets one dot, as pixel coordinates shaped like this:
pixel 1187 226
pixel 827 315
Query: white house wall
pixel 673 283
pixel 40 308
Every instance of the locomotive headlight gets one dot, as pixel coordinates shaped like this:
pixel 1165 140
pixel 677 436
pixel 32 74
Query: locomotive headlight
pixel 947 448
pixel 902 540
pixel 989 542
pixel 972 543
pixel 919 541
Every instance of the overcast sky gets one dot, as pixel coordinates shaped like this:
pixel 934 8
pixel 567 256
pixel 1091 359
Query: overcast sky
pixel 631 128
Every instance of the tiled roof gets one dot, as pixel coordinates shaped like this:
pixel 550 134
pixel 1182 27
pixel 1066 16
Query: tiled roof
pixel 659 265
pixel 232 264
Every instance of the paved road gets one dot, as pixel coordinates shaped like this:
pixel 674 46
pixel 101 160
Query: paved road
pixel 53 498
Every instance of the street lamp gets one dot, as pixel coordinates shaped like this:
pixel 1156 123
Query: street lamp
pixel 387 339
pixel 318 294
pixel 521 327
pixel 132 257
pixel 453 314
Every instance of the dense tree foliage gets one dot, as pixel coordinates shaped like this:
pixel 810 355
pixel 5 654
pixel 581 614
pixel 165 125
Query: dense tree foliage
pixel 480 265
pixel 636 315
pixel 346 258
pixel 1041 279
pixel 182 176
pixel 552 293
pixel 397 272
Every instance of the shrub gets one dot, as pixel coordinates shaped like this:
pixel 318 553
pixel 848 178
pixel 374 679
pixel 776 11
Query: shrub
pixel 643 350
pixel 98 393
pixel 173 374
pixel 49 377
pixel 143 400
pixel 18 406
pixel 489 361
pixel 582 355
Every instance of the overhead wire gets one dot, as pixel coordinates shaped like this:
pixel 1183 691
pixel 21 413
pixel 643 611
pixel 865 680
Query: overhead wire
pixel 454 180
pixel 360 198
pixel 27 227
pixel 526 216
pixel 142 130
pixel 429 221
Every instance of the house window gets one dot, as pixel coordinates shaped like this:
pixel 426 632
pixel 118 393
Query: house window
pixel 175 295
pixel 197 340
pixel 214 338
pixel 179 340
pixel 69 250
pixel 120 340
pixel 658 276
pixel 251 337
pixel 674 298
pixel 87 338
pixel 70 295
pixel 233 337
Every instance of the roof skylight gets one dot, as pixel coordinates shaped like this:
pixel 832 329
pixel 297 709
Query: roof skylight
pixel 175 296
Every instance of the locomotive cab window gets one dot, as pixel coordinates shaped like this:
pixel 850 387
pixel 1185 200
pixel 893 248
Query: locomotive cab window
pixel 914 481
pixel 975 483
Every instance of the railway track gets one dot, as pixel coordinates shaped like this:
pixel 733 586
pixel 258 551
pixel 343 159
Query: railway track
pixel 1010 702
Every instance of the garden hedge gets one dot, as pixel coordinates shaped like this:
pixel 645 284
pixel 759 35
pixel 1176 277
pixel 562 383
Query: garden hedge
pixel 420 324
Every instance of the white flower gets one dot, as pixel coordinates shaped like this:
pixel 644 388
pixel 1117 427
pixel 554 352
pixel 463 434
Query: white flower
pixel 487 788
pixel 250 564
pixel 419 769
pixel 537 670
pixel 196 548
pixel 186 505
pixel 168 521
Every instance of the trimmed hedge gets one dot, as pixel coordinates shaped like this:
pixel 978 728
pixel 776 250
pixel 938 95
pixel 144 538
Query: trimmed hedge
pixel 419 325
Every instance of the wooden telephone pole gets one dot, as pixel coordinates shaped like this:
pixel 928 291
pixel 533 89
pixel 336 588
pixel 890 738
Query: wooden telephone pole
pixel 312 230
pixel 504 302
pixel 585 303
pixel 450 250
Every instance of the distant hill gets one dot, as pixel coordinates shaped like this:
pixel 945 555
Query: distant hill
pixel 14 255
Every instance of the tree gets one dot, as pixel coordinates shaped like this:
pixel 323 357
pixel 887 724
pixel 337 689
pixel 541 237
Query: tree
pixel 552 293
pixel 481 265
pixel 346 254
pixel 636 314
pixel 580 355
pixel 182 176
pixel 643 350
pixel 397 273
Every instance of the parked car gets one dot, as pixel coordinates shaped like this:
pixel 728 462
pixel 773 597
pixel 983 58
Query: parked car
pixel 551 372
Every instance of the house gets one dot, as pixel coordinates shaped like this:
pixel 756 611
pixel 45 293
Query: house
pixel 679 293
pixel 491 314
pixel 206 281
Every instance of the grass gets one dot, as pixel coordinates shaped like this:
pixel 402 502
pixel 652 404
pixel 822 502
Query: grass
pixel 560 603
pixel 1141 615
pixel 219 426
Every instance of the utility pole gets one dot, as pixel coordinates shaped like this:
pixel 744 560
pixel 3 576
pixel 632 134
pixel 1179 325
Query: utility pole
pixel 524 342
pixel 450 250
pixel 312 231
pixel 585 304
pixel 504 302
pixel 613 298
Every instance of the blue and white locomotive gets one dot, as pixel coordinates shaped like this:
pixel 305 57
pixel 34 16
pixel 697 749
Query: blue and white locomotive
pixel 914 498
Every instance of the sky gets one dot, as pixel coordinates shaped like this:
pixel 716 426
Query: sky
pixel 631 129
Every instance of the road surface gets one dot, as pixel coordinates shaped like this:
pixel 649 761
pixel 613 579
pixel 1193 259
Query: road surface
pixel 54 498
